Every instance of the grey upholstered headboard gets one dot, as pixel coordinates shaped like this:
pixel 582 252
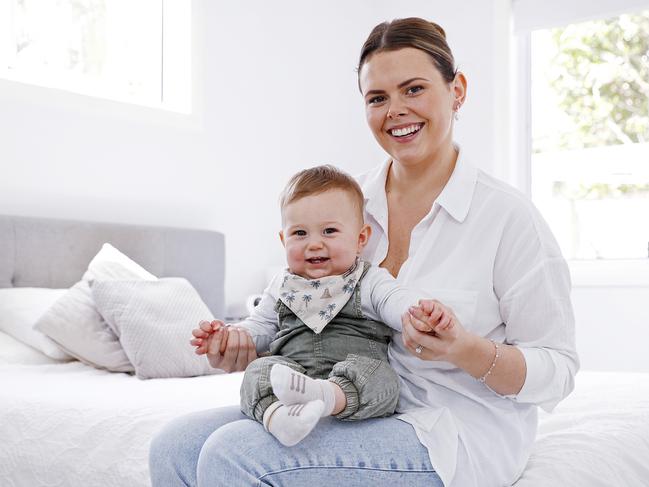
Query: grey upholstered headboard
pixel 39 252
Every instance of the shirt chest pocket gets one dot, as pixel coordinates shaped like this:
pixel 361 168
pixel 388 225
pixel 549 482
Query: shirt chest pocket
pixel 463 302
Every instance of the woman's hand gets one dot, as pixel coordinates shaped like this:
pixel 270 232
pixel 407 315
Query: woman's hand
pixel 434 330
pixel 227 347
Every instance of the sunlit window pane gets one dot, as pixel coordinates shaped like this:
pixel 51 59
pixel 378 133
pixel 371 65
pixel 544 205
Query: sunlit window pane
pixel 106 48
pixel 590 128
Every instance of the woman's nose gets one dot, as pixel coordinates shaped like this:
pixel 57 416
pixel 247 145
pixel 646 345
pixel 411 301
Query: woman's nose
pixel 396 109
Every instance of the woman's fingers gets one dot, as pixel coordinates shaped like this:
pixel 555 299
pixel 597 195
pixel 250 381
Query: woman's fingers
pixel 199 333
pixel 205 326
pixel 227 348
pixel 242 355
pixel 433 310
pixel 419 319
pixel 225 336
pixel 411 337
pixel 214 343
pixel 231 350
pixel 216 324
pixel 252 351
pixel 428 305
pixel 445 323
pixel 436 313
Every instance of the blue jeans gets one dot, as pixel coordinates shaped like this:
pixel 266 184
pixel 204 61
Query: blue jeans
pixel 222 447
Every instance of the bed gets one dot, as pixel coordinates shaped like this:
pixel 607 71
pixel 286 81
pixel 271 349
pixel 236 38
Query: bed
pixel 68 424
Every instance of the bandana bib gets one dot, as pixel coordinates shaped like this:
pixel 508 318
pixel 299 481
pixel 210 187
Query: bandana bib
pixel 317 301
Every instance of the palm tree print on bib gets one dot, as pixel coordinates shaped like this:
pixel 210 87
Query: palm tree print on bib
pixel 317 301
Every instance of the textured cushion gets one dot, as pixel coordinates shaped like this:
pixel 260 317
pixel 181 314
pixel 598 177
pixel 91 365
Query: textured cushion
pixel 20 308
pixel 153 320
pixel 74 322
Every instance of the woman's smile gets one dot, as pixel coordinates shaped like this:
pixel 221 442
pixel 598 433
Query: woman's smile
pixel 404 133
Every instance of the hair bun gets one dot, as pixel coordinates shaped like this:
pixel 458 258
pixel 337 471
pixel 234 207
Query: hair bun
pixel 413 32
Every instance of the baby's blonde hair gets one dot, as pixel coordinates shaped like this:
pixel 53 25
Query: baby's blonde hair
pixel 319 179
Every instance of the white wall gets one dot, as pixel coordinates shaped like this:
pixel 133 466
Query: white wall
pixel 612 324
pixel 275 91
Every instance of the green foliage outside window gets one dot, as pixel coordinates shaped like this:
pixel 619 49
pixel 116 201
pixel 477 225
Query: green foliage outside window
pixel 601 74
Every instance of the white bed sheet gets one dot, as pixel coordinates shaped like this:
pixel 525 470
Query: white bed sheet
pixel 597 437
pixel 69 425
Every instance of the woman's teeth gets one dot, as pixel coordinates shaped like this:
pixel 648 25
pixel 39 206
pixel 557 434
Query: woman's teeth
pixel 401 132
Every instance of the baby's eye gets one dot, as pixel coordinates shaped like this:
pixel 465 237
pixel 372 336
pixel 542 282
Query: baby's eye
pixel 299 233
pixel 414 89
pixel 376 100
pixel 330 230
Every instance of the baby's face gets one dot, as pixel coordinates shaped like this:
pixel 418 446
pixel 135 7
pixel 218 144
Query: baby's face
pixel 323 234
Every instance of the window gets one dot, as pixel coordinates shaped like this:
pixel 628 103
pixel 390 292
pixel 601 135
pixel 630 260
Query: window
pixel 135 52
pixel 590 135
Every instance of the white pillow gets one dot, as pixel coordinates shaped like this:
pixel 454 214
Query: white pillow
pixel 154 320
pixel 13 351
pixel 20 308
pixel 74 322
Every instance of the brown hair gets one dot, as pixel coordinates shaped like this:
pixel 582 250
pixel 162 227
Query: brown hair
pixel 319 179
pixel 411 32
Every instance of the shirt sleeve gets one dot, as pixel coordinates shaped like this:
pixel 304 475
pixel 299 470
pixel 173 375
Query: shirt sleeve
pixel 384 299
pixel 262 324
pixel 532 281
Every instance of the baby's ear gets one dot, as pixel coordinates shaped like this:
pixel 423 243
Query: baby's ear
pixel 364 237
pixel 281 237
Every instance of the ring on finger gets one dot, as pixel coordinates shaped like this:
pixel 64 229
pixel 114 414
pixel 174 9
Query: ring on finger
pixel 419 349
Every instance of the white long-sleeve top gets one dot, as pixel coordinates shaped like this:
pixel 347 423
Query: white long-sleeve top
pixel 485 251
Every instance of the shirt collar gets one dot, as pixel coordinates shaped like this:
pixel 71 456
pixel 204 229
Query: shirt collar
pixel 376 203
pixel 457 195
pixel 455 198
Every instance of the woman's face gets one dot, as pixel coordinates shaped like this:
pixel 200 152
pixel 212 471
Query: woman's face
pixel 408 105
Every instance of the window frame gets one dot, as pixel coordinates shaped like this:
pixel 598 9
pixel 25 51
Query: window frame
pixel 177 67
pixel 529 16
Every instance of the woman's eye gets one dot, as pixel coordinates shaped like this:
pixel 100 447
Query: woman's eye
pixel 375 100
pixel 414 89
pixel 330 230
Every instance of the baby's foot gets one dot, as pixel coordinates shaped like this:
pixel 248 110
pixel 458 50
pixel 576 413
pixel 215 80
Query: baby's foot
pixel 291 424
pixel 292 387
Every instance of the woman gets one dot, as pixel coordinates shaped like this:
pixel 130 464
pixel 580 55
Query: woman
pixel 468 402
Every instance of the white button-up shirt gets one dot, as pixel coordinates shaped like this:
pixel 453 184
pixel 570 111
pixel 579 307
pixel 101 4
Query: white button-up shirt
pixel 485 251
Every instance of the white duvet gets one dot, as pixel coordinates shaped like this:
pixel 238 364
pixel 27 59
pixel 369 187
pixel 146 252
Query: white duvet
pixel 69 425
pixel 597 437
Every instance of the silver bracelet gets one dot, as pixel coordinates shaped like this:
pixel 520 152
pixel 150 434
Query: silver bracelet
pixel 483 379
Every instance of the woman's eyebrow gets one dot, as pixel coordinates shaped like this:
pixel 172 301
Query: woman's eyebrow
pixel 400 85
pixel 408 81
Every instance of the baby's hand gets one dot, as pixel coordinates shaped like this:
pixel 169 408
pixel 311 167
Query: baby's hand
pixel 230 348
pixel 203 333
pixel 435 318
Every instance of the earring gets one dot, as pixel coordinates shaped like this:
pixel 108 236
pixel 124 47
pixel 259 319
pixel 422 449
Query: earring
pixel 456 111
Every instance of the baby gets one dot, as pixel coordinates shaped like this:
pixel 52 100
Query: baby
pixel 326 321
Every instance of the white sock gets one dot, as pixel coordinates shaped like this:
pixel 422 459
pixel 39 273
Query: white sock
pixel 291 424
pixel 291 387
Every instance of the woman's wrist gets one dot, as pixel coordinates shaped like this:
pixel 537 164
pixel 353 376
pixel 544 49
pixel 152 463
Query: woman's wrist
pixel 473 354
